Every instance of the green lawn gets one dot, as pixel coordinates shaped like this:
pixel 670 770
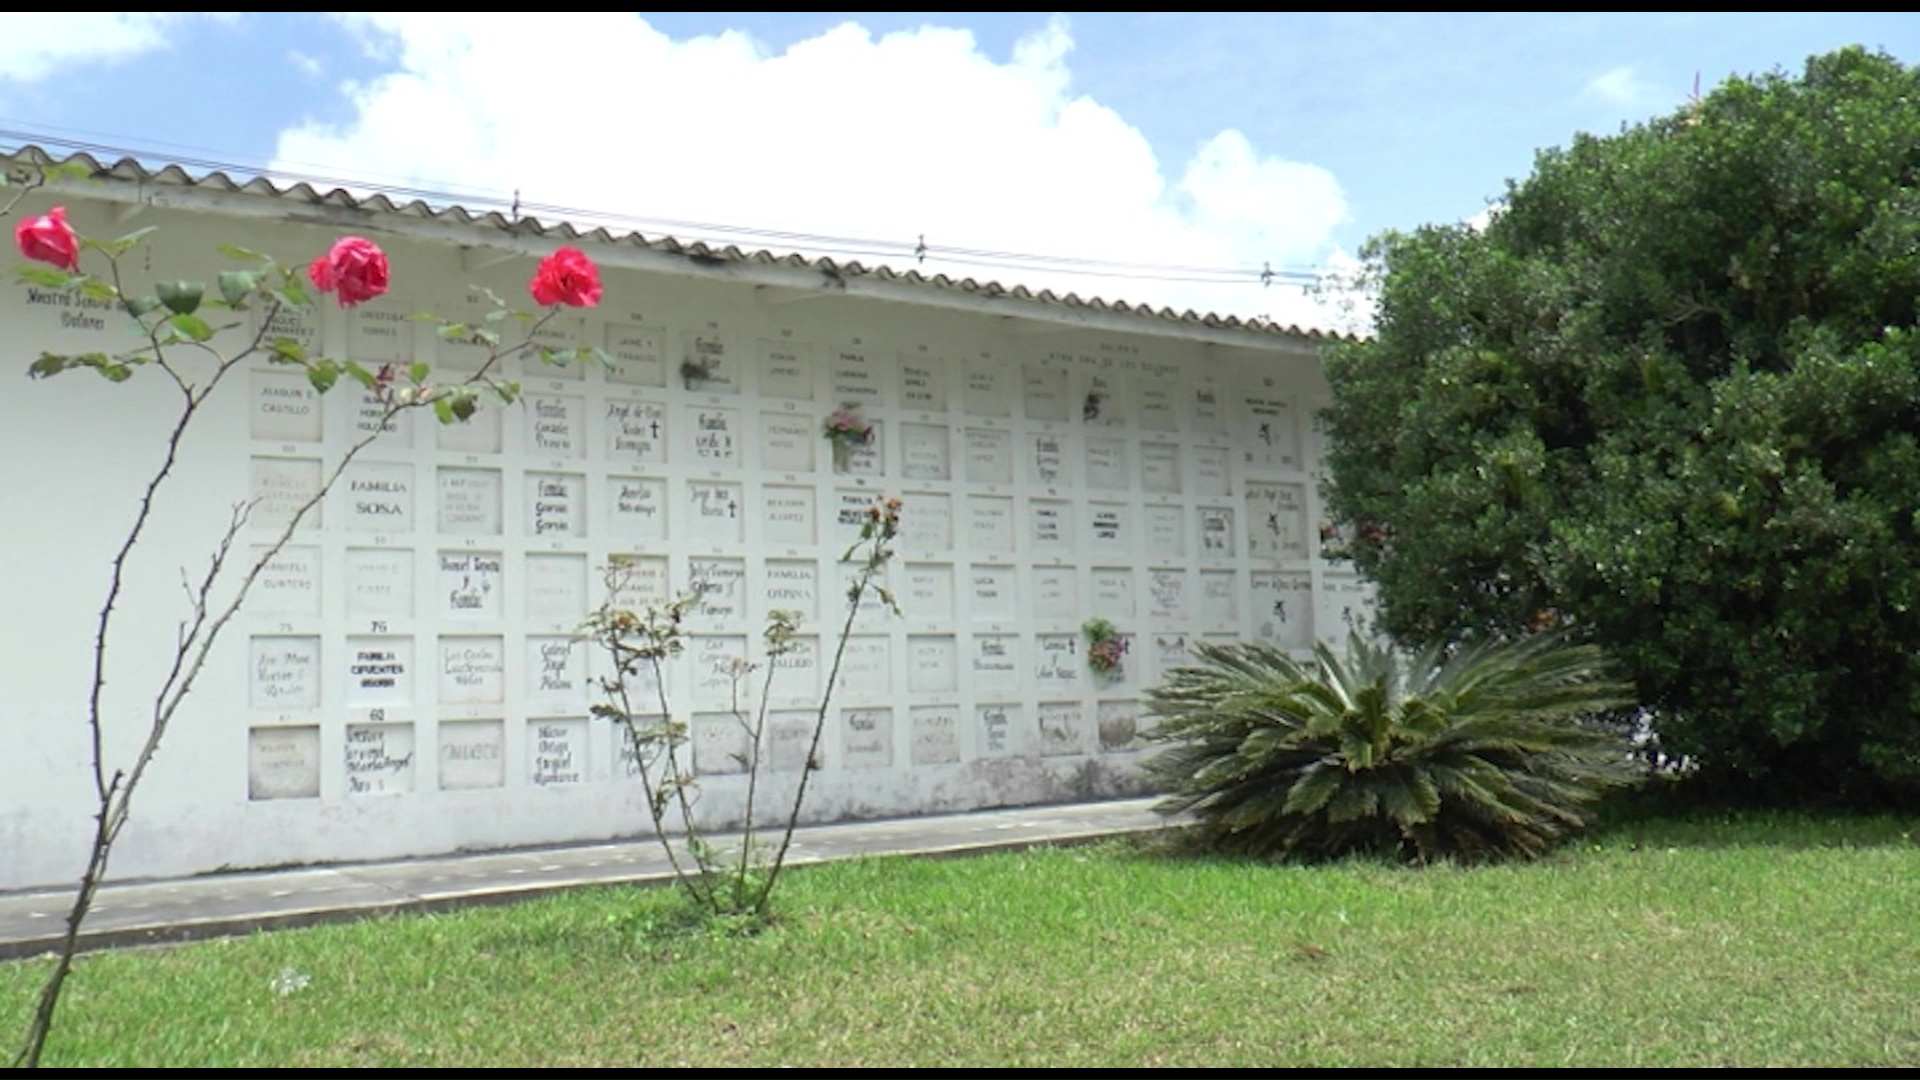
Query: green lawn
pixel 1776 941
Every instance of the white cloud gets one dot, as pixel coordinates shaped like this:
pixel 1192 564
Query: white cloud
pixel 35 44
pixel 844 134
pixel 1621 86
pixel 310 66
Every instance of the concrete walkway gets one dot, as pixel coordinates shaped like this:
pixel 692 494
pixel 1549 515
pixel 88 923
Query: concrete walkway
pixel 216 905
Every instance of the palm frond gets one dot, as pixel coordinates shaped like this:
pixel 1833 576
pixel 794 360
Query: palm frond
pixel 1482 751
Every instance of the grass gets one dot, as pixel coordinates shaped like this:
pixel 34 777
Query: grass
pixel 1759 941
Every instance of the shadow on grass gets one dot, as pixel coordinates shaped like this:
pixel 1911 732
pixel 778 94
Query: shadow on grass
pixel 1190 844
pixel 1670 817
pixel 1643 818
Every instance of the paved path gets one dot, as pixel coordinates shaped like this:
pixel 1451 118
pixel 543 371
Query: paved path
pixel 216 905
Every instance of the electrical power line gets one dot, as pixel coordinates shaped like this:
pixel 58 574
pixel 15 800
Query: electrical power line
pixel 918 253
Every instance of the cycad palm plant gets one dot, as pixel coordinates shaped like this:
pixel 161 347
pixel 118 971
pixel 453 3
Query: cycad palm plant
pixel 1479 752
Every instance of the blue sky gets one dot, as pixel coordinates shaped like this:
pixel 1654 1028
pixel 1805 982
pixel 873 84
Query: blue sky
pixel 1176 154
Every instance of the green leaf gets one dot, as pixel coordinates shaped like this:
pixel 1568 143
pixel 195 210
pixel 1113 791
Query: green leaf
pixel 193 327
pixel 67 170
pixel 138 306
pixel 100 289
pixel 360 374
pixel 323 375
pixel 286 350
pixel 235 251
pixel 418 371
pixel 493 317
pixel 454 331
pixel 486 336
pixel 291 293
pixel 237 285
pixel 49 365
pixel 443 409
pixel 463 405
pixel 181 297
pixel 48 276
pixel 129 241
pixel 116 372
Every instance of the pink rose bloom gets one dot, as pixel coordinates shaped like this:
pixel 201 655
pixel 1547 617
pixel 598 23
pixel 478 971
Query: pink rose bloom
pixel 355 269
pixel 49 239
pixel 566 277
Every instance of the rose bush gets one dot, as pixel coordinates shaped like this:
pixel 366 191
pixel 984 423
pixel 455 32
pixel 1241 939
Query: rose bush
pixel 49 239
pixel 355 269
pixel 566 277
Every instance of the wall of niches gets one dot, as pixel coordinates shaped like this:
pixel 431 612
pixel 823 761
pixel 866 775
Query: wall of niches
pixel 405 677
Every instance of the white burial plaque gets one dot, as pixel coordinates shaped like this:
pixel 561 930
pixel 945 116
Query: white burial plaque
pixel 283 673
pixel 791 585
pixel 994 592
pixel 923 384
pixel 716 438
pixel 999 730
pixel 556 505
pixel 469 502
pixel 786 370
pixel 636 432
pixel 288 585
pixel 931 663
pixel 379 583
pixel 283 762
pixel 472 671
pixel 635 355
pixel 867 738
pixel 379 497
pixel 935 738
pixel 714 512
pixel 926 522
pixel 556 426
pixel 787 515
pixel 472 755
pixel 279 487
pixel 989 456
pixel 557 751
pixel 923 452
pixel 1060 729
pixel 379 759
pixel 557 673
pixel 990 524
pixel 988 392
pixel 379 672
pixel 637 507
pixel 557 588
pixel 1055 593
pixel 994 664
pixel 286 407
pixel 1166 530
pixel 786 442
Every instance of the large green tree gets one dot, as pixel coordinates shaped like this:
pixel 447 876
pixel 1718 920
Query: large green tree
pixel 1669 397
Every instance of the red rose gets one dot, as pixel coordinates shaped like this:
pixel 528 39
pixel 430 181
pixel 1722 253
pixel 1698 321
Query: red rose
pixel 49 239
pixel 566 277
pixel 355 268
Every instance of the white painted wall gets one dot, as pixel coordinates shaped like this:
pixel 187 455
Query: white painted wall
pixel 400 683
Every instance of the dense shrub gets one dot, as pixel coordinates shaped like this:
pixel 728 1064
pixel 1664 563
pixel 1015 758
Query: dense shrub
pixel 1669 398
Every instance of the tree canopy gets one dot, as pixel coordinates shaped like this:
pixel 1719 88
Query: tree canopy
pixel 1669 398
